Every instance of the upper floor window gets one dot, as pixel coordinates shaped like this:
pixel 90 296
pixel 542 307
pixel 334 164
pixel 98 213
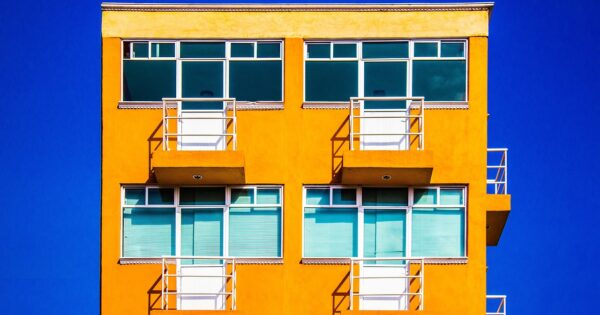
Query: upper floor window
pixel 246 70
pixel 434 69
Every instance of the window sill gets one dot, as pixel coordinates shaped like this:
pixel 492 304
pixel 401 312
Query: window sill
pixel 241 261
pixel 239 105
pixel 346 261
pixel 344 105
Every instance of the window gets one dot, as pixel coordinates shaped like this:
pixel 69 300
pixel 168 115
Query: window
pixel 434 69
pixel 248 71
pixel 250 217
pixel 395 222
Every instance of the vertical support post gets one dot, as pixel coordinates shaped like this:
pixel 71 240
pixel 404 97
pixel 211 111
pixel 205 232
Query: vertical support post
pixel 422 125
pixel 162 284
pixel 164 125
pixel 351 124
pixel 234 123
pixel 351 278
pixel 505 175
pixel 422 278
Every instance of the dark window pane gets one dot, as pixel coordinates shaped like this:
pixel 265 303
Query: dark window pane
pixel 344 196
pixel 148 80
pixel 344 50
pixel 385 197
pixel 255 80
pixel 163 50
pixel 161 196
pixel 202 50
pixel 385 50
pixel 242 50
pixel 319 50
pixel 140 50
pixel 202 196
pixel 202 79
pixel 440 80
pixel 385 79
pixel 426 49
pixel 268 50
pixel 331 80
pixel 453 50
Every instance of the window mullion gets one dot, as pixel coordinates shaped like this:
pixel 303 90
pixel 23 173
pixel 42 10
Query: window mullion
pixel 178 243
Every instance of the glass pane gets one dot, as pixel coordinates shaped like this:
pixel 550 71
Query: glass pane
pixel 201 234
pixel 140 50
pixel 242 196
pixel 268 50
pixel 385 50
pixel 202 79
pixel 440 80
pixel 346 196
pixel 330 232
pixel 148 232
pixel 426 196
pixel 426 49
pixel 385 79
pixel 161 196
pixel 255 80
pixel 451 197
pixel 385 234
pixel 242 50
pixel 202 50
pixel 438 233
pixel 148 80
pixel 135 196
pixel 163 50
pixel 317 196
pixel 268 197
pixel 331 81
pixel 255 232
pixel 385 196
pixel 319 50
pixel 453 50
pixel 202 196
pixel 344 50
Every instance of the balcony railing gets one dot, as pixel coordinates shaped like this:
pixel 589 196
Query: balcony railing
pixel 210 128
pixel 387 127
pixel 390 283
pixel 497 170
pixel 496 305
pixel 198 282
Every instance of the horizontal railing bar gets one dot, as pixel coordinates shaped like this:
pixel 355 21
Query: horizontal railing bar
pixel 182 118
pixel 387 134
pixel 200 134
pixel 198 276
pixel 407 116
pixel 198 293
pixel 387 98
pixel 387 277
pixel 496 296
pixel 198 99
pixel 496 166
pixel 387 294
pixel 497 149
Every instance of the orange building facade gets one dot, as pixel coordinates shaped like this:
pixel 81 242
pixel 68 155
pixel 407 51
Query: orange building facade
pixel 297 159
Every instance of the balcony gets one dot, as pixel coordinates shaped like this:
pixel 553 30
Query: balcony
pixel 387 145
pixel 496 305
pixel 199 143
pixel 498 201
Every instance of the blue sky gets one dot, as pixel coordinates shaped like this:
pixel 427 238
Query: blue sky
pixel 543 77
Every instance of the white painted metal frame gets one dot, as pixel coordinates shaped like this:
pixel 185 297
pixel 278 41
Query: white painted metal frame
pixel 501 310
pixel 500 181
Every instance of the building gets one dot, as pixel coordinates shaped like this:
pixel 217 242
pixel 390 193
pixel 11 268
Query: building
pixel 297 159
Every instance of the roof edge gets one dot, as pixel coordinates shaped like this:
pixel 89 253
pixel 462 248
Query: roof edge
pixel 194 7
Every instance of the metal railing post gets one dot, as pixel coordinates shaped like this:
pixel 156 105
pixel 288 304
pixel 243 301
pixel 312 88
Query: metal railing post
pixel 351 123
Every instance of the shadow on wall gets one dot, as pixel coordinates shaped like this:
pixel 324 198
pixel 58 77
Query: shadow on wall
pixel 340 296
pixel 154 295
pixel 339 143
pixel 155 143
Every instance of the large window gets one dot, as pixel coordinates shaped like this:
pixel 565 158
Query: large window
pixel 336 71
pixel 370 222
pixel 205 221
pixel 246 70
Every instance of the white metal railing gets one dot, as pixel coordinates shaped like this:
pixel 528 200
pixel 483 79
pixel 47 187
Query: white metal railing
pixel 168 134
pixel 412 275
pixel 413 103
pixel 499 181
pixel 499 300
pixel 171 268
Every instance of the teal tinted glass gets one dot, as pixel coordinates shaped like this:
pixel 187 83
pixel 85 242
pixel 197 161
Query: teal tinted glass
pixel 161 196
pixel 385 196
pixel 148 80
pixel 330 232
pixel 255 80
pixel 140 50
pixel 344 196
pixel 135 196
pixel 426 50
pixel 202 196
pixel 255 232
pixel 385 234
pixel 268 50
pixel 453 50
pixel 148 232
pixel 385 49
pixel 320 50
pixel 268 196
pixel 202 50
pixel 385 79
pixel 201 234
pixel 163 50
pixel 242 50
pixel 438 233
pixel 451 197
pixel 202 79
pixel 242 196
pixel 331 81
pixel 425 196
pixel 344 50
pixel 317 196
pixel 440 80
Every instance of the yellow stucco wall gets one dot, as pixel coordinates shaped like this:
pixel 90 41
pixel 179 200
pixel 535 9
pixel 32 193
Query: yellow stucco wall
pixel 294 147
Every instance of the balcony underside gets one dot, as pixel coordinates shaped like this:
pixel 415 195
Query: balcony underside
pixel 198 167
pixel 498 209
pixel 412 167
